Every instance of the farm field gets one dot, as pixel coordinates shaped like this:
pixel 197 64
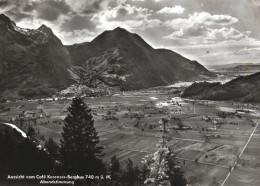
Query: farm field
pixel 247 170
pixel 206 140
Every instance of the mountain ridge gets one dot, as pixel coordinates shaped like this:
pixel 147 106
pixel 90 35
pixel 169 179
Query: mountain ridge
pixel 243 88
pixel 242 68
pixel 34 62
pixel 144 64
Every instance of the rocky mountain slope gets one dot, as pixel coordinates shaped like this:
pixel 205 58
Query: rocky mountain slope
pixel 32 62
pixel 124 59
pixel 244 88
pixel 35 63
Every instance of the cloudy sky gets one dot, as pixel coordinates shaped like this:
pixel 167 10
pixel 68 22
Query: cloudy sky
pixel 209 31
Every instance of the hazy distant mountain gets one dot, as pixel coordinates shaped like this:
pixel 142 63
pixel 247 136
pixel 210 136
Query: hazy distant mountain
pixel 121 58
pixel 242 68
pixel 230 66
pixel 244 88
pixel 32 62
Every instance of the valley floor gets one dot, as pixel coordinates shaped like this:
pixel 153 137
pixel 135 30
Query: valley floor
pixel 211 143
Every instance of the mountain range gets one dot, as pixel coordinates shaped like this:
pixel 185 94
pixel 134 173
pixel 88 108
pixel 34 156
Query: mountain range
pixel 32 62
pixel 129 62
pixel 220 67
pixel 250 68
pixel 243 88
pixel 35 63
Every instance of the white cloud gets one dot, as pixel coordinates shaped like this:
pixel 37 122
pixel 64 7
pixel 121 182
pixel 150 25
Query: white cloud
pixel 157 1
pixel 248 51
pixel 197 27
pixel 202 18
pixel 226 34
pixel 171 10
pixel 76 36
pixel 121 12
pixel 208 19
pixel 125 15
pixel 208 35
pixel 130 24
pixel 90 6
pixel 187 31
pixel 246 41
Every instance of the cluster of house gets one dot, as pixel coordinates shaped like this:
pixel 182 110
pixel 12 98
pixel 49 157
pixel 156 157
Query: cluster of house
pixel 30 116
pixel 134 115
pixel 213 120
pixel 109 118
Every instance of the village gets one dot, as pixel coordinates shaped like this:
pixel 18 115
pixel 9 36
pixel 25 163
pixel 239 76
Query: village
pixel 204 134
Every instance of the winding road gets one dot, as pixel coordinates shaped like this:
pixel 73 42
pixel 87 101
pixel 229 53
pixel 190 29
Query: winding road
pixel 16 128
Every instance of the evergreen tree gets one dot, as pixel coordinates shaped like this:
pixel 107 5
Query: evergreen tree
pixel 115 171
pixel 129 176
pixel 52 148
pixel 114 168
pixel 7 146
pixel 137 175
pixel 21 155
pixel 30 159
pixel 31 132
pixel 79 144
pixel 144 173
pixel 163 166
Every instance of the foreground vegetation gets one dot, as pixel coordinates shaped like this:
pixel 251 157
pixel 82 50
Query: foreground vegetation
pixel 80 154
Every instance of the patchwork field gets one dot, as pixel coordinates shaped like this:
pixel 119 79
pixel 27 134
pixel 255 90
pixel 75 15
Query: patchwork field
pixel 206 140
pixel 247 169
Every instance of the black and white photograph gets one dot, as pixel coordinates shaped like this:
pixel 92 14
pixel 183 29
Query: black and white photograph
pixel 130 92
